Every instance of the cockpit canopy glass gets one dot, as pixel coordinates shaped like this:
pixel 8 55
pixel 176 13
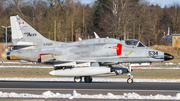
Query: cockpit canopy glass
pixel 134 42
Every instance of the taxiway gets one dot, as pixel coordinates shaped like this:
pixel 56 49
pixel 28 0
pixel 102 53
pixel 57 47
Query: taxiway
pixel 142 88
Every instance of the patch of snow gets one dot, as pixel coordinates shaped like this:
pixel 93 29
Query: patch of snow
pixel 170 63
pixel 157 67
pixel 75 94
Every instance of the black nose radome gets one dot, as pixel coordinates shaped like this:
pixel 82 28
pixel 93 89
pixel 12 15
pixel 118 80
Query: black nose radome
pixel 168 57
pixel 8 55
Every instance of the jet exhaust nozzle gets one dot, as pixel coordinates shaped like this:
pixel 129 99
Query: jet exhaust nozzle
pixel 168 57
pixel 8 56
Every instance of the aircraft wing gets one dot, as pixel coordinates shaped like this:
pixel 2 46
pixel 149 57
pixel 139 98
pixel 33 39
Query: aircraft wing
pixel 53 59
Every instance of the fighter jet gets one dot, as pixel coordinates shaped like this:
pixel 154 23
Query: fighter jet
pixel 84 58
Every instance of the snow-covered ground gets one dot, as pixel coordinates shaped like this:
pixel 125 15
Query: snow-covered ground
pixel 49 94
pixel 157 67
pixel 94 79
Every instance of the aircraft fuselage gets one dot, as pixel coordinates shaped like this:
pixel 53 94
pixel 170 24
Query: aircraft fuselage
pixel 114 52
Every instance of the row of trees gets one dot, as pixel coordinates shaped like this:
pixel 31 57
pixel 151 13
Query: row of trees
pixel 136 19
pixel 121 19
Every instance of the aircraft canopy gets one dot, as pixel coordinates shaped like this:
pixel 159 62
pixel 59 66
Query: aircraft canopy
pixel 134 42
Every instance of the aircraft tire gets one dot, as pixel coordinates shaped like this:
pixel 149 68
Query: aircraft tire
pixel 129 81
pixel 77 79
pixel 88 79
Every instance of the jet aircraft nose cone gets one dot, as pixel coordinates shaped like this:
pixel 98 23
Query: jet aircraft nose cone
pixel 168 57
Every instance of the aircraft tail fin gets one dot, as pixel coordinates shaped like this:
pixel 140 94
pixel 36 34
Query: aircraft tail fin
pixel 22 32
pixel 15 29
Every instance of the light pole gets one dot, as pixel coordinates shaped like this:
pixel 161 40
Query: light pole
pixel 6 33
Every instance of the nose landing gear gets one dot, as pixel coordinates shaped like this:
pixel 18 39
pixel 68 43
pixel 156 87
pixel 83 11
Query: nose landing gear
pixel 130 79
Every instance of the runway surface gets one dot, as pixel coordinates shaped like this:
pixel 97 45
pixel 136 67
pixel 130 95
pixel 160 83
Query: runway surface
pixel 37 87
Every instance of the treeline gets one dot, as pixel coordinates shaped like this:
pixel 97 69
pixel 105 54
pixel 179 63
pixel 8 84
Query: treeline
pixel 122 19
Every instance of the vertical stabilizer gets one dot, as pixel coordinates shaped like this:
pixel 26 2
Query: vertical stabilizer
pixel 15 29
pixel 23 33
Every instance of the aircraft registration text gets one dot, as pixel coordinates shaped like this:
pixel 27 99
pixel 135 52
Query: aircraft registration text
pixel 47 44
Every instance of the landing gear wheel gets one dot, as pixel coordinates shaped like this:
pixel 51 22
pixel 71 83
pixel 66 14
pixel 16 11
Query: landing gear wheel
pixel 129 80
pixel 88 79
pixel 77 79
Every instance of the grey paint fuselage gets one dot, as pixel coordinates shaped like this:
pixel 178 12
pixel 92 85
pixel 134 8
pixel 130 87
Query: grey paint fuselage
pixel 91 49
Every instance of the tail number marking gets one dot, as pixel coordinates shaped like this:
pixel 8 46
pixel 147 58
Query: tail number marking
pixel 153 53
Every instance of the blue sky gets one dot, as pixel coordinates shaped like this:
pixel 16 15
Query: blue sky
pixel 87 1
pixel 162 3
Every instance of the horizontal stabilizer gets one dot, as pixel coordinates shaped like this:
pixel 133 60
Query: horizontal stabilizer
pixel 20 45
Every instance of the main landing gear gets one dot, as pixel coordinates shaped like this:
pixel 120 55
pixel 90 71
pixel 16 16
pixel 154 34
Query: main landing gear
pixel 77 79
pixel 130 79
pixel 87 79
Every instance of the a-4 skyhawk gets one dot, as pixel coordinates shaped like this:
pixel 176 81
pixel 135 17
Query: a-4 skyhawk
pixel 84 58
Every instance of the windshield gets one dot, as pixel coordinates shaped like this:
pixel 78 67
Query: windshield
pixel 131 42
pixel 141 45
pixel 134 42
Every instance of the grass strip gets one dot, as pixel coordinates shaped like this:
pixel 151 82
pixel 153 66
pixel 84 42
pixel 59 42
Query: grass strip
pixel 137 73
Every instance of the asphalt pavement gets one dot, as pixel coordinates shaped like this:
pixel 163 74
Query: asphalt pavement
pixel 64 87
